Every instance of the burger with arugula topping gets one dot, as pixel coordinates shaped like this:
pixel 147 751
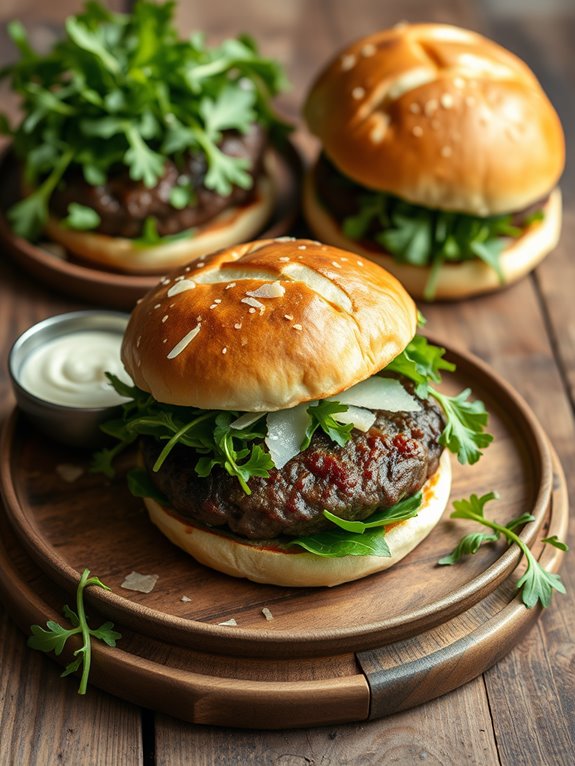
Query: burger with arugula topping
pixel 140 151
pixel 287 416
pixel 440 159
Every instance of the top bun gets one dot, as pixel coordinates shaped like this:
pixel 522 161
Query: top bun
pixel 265 326
pixel 441 117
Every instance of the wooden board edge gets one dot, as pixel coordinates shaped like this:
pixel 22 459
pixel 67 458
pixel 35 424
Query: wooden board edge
pixel 452 666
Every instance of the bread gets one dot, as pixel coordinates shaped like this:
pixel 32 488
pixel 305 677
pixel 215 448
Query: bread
pixel 439 116
pixel 251 328
pixel 292 567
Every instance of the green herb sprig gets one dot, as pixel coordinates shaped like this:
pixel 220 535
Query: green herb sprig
pixel 464 433
pixel 536 584
pixel 421 236
pixel 123 91
pixel 54 636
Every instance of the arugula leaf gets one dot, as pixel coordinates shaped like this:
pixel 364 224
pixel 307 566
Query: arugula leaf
pixel 536 584
pixel 464 434
pixel 124 91
pixel 337 543
pixel 422 236
pixel 401 511
pixel 359 538
pixel 53 638
pixel 81 218
pixel 421 362
pixel 322 417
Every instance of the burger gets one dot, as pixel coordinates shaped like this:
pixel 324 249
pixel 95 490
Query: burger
pixel 140 151
pixel 285 415
pixel 440 159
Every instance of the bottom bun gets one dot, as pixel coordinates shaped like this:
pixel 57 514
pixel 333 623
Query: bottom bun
pixel 456 280
pixel 232 226
pixel 289 567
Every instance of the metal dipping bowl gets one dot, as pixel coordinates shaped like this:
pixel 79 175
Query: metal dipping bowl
pixel 73 426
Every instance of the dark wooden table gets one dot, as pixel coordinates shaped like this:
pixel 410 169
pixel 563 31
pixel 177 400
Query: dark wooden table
pixel 522 711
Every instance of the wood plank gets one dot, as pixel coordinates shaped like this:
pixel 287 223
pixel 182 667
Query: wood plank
pixel 425 735
pixel 43 720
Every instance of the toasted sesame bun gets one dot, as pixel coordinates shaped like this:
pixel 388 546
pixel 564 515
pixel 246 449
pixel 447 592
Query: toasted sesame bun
pixel 455 280
pixel 276 564
pixel 439 116
pixel 265 326
pixel 233 225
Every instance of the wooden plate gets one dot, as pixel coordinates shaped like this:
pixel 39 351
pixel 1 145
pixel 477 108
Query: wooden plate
pixel 205 688
pixel 97 524
pixel 108 288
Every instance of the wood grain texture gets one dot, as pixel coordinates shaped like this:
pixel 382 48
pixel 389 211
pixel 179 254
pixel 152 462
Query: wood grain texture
pixel 512 714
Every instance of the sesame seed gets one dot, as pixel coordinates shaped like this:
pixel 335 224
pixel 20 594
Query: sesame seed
pixel 214 306
pixel 336 264
pixel 138 341
pixel 414 108
pixel 446 101
pixel 344 259
pixel 217 300
pixel 368 50
pixel 200 263
pixel 166 281
pixel 139 301
pixel 178 279
pixel 417 131
pixel 289 317
pixel 358 93
pixel 446 151
pixel 187 269
pixel 198 319
pixel 459 82
pixel 251 311
pixel 164 318
pixel 430 107
pixel 359 263
pixel 225 350
pixel 165 340
pixel 297 327
pixel 158 306
pixel 301 247
pixel 238 326
pixel 230 285
pixel 284 259
pixel 348 62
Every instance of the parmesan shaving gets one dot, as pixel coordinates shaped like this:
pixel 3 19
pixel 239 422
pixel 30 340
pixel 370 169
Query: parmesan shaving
pixel 378 393
pixel 253 302
pixel 186 340
pixel 268 290
pixel 286 432
pixel 181 287
pixel 245 420
pixel 359 418
pixel 140 582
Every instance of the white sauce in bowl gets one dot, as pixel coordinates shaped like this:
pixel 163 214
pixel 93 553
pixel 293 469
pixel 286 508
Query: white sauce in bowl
pixel 71 370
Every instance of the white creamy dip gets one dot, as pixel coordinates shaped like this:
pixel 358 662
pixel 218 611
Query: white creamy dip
pixel 71 370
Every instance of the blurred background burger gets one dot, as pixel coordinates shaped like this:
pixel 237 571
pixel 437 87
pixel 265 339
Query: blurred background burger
pixel 440 159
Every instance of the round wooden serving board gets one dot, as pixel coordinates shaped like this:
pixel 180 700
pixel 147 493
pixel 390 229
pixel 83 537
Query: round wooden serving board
pixel 108 288
pixel 360 650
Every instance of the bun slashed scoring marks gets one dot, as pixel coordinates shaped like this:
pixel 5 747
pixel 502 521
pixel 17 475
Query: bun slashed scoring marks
pixel 411 103
pixel 266 325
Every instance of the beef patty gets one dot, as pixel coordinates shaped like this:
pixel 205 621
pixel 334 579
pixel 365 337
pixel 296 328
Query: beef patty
pixel 124 205
pixel 374 470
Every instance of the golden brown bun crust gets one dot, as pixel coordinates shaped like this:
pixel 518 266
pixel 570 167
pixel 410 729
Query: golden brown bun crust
pixel 237 224
pixel 276 567
pixel 455 281
pixel 330 320
pixel 439 116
